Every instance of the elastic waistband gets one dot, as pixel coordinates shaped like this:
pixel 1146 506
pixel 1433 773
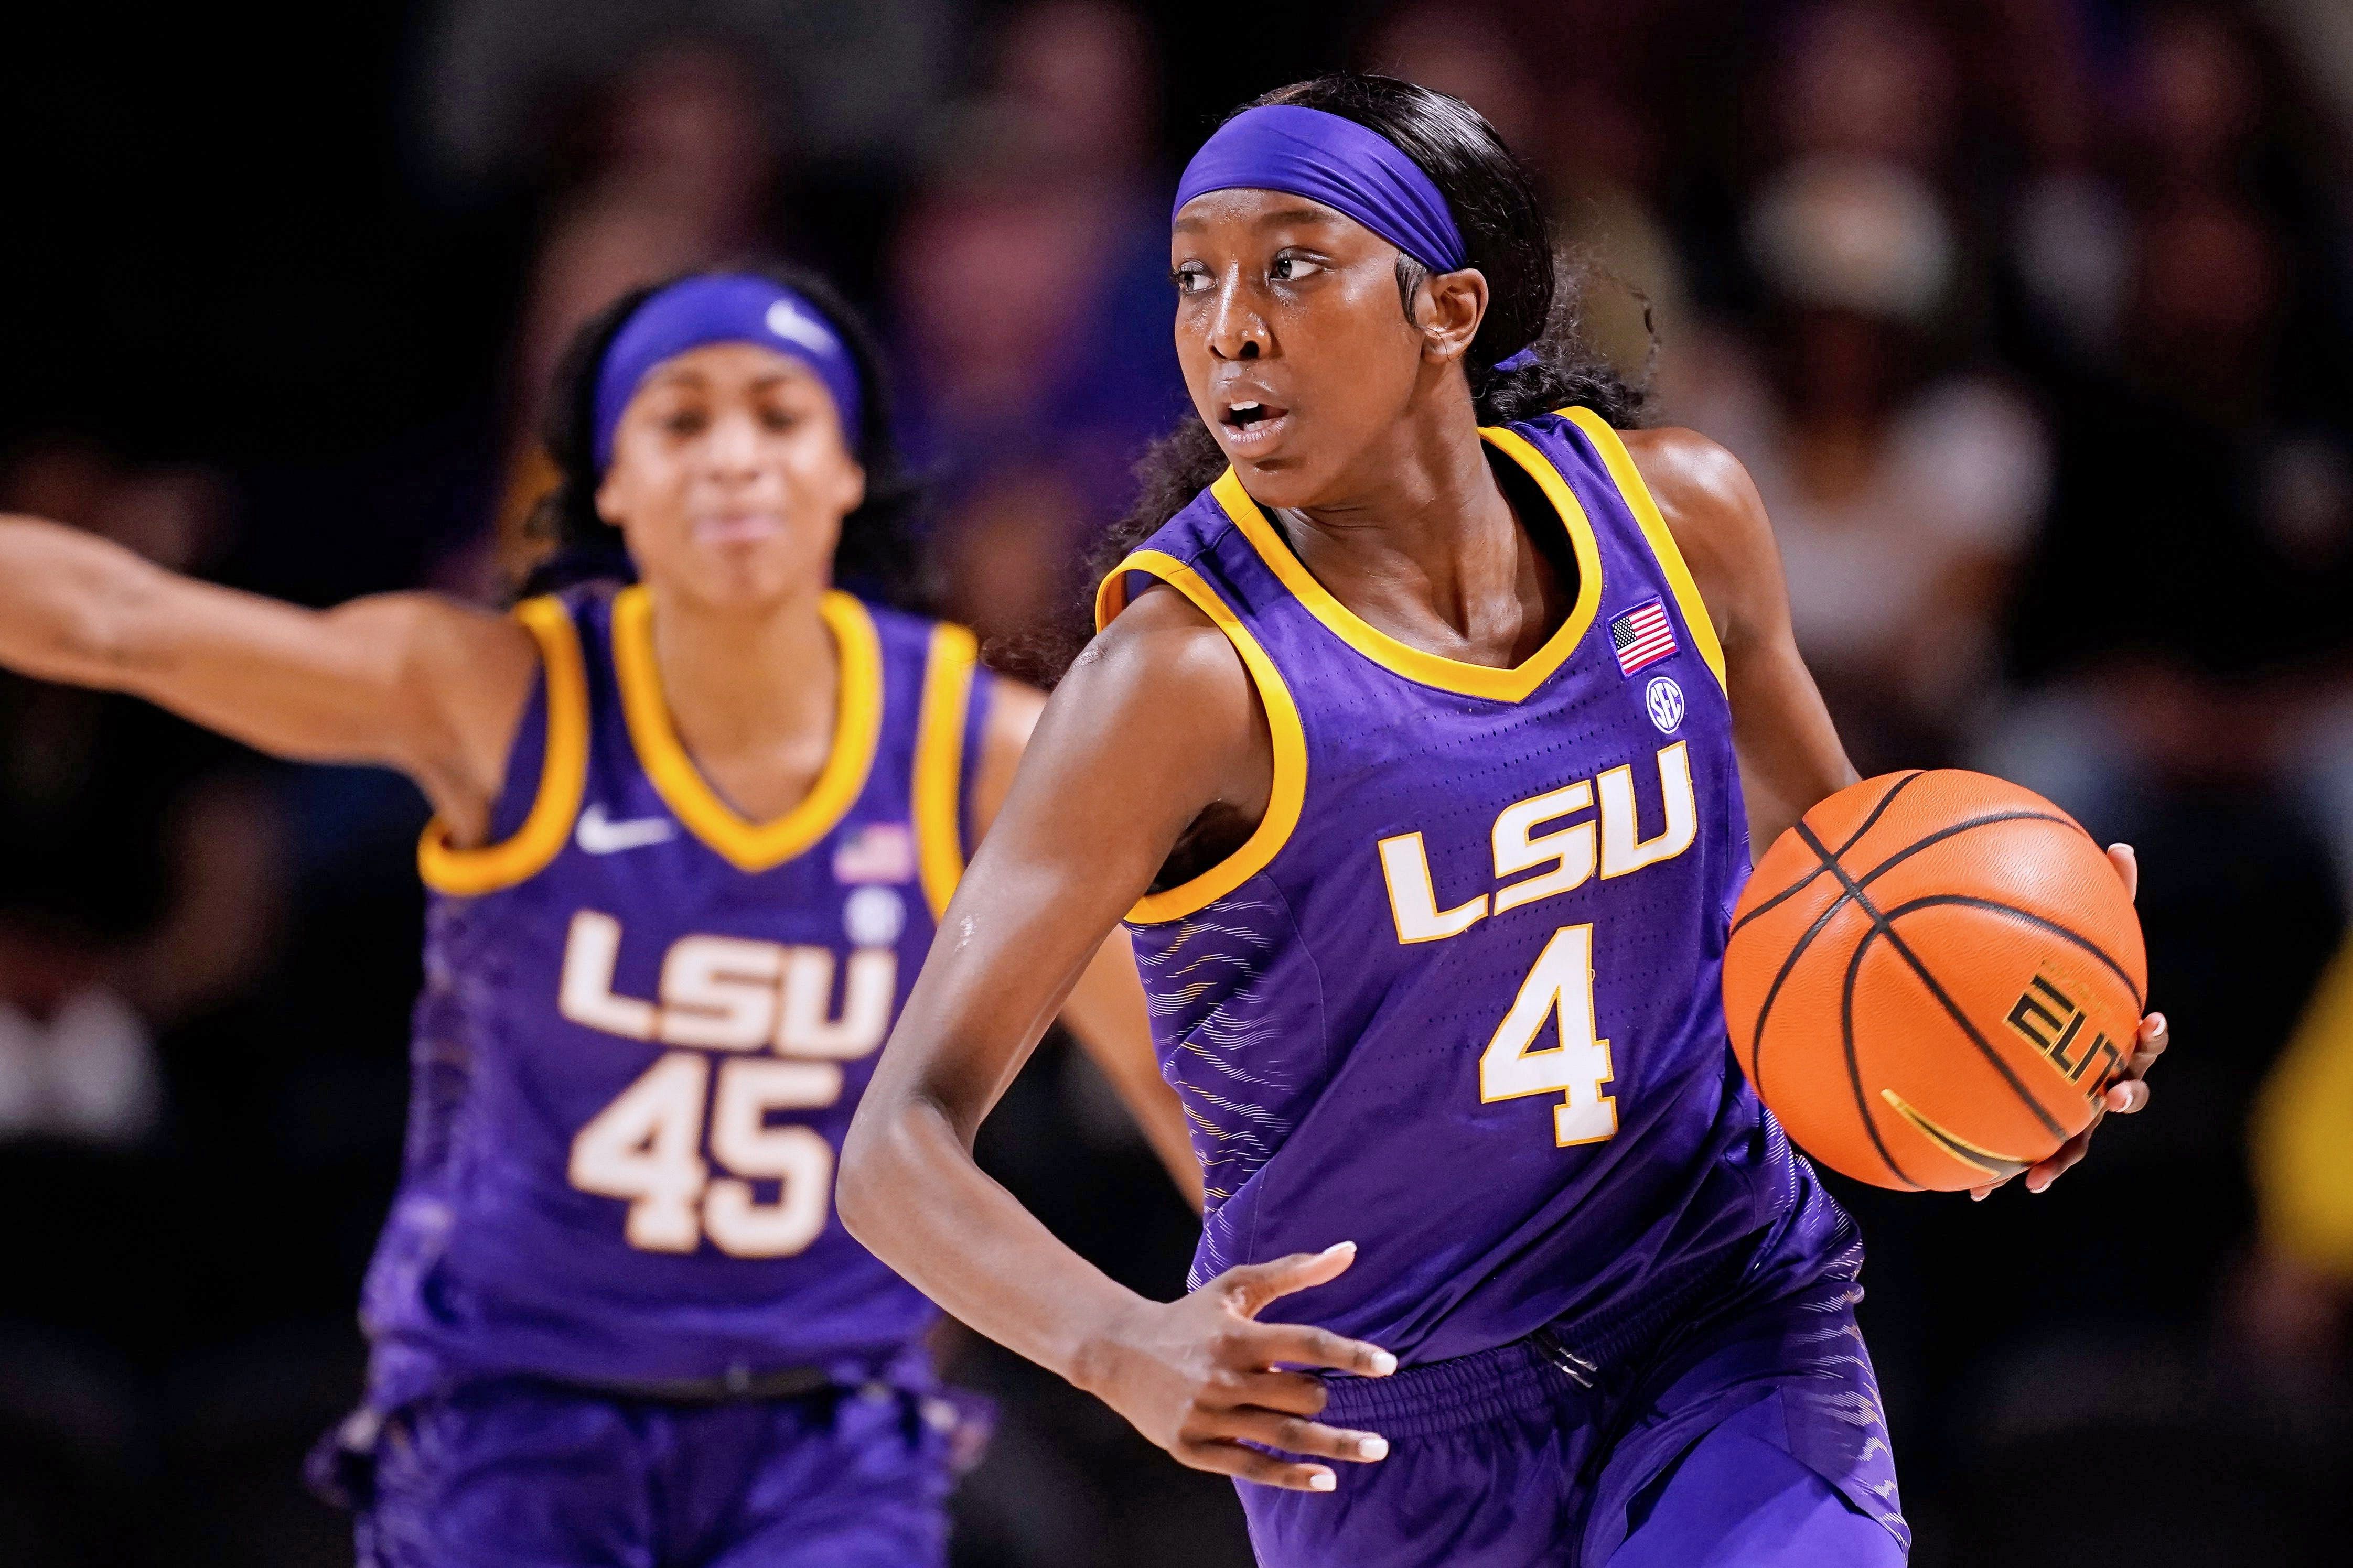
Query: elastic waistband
pixel 742 1387
pixel 1516 1379
pixel 405 1368
pixel 1563 1361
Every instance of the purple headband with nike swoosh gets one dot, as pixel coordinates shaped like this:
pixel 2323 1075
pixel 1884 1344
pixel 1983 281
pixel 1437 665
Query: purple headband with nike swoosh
pixel 1350 168
pixel 723 307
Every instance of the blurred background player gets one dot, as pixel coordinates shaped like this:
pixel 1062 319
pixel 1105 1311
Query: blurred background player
pixel 697 813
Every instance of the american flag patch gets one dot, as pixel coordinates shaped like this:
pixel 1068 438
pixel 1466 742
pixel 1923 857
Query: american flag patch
pixel 1642 637
pixel 879 852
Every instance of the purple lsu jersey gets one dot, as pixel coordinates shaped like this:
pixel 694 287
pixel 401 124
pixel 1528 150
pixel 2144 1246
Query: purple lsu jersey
pixel 647 1021
pixel 1455 999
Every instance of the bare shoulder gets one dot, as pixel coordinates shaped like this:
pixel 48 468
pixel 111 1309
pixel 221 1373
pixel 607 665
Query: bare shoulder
pixel 1160 648
pixel 1165 691
pixel 468 643
pixel 1160 681
pixel 478 663
pixel 466 672
pixel 1164 642
pixel 1705 492
pixel 1712 507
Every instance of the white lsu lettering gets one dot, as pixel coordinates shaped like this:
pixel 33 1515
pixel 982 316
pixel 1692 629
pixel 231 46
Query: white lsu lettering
pixel 684 1145
pixel 1613 845
pixel 728 993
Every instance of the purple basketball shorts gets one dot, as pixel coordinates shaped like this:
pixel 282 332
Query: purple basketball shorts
pixel 1751 1438
pixel 511 1472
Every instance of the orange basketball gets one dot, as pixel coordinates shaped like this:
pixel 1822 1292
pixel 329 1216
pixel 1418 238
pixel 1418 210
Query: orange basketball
pixel 1933 978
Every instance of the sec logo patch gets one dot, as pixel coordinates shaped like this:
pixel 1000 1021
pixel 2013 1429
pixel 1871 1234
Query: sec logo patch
pixel 874 916
pixel 1664 700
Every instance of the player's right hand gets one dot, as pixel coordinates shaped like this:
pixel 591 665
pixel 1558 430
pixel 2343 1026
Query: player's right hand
pixel 1198 1375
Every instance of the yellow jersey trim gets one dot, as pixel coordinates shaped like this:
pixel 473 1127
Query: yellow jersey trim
pixel 1289 790
pixel 1509 685
pixel 562 775
pixel 1638 500
pixel 939 762
pixel 857 726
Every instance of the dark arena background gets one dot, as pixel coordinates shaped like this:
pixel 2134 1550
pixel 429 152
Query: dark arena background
pixel 2033 320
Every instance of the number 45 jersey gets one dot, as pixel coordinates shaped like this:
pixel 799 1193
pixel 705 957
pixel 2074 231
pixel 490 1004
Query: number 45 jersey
pixel 647 1021
pixel 1456 998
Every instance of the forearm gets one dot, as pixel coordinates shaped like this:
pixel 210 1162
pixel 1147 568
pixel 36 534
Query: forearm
pixel 911 1192
pixel 67 601
pixel 408 681
pixel 1778 790
pixel 1790 757
pixel 1137 740
pixel 1154 726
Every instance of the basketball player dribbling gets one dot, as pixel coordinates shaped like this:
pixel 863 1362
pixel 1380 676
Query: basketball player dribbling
pixel 698 814
pixel 1421 748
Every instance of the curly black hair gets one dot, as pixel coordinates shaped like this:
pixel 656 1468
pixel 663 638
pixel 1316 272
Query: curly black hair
pixel 877 556
pixel 1533 290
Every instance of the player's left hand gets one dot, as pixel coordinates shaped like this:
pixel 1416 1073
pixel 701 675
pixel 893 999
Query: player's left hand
pixel 2129 1093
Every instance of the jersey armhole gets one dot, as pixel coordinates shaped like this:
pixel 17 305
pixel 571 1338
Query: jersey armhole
pixel 562 775
pixel 1289 791
pixel 949 672
pixel 1638 500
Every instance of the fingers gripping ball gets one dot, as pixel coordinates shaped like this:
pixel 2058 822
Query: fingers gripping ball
pixel 1933 978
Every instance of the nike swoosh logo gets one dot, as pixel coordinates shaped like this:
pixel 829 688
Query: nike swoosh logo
pixel 2000 1166
pixel 599 834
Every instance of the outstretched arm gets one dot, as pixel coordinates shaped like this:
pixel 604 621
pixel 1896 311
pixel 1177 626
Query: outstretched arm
pixel 1157 723
pixel 1105 1008
pixel 405 680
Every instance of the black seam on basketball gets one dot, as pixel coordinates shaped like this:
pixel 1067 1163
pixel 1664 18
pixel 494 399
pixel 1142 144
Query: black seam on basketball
pixel 1854 1068
pixel 1966 901
pixel 1764 1011
pixel 1970 900
pixel 1900 856
pixel 1902 949
pixel 1852 840
pixel 1757 1037
pixel 1955 831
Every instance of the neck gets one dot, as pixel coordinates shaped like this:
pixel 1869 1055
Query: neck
pixel 746 684
pixel 1421 524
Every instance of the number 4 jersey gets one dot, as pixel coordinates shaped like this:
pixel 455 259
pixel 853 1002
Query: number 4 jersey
pixel 646 1022
pixel 1456 998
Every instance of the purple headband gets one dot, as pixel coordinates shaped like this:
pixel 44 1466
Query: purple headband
pixel 1349 167
pixel 729 307
pixel 1330 159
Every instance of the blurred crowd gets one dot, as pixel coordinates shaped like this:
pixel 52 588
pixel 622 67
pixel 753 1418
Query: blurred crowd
pixel 2033 319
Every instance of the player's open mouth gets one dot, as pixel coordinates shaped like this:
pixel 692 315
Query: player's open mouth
pixel 1251 423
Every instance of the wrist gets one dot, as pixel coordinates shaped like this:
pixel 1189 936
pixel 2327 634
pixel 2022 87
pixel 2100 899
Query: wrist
pixel 1102 1347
